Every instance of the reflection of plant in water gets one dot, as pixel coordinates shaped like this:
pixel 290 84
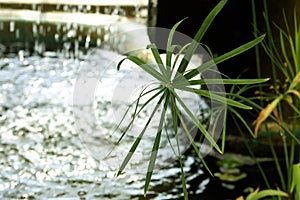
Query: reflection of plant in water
pixel 229 167
pixel 168 103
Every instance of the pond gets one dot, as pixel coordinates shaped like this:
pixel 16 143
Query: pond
pixel 41 153
pixel 44 155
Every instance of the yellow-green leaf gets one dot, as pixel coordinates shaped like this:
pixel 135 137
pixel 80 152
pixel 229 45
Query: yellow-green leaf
pixel 265 113
pixel 295 92
pixel 296 180
pixel 256 195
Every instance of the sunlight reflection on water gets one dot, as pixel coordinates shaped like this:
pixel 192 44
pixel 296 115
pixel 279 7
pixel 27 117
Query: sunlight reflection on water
pixel 41 154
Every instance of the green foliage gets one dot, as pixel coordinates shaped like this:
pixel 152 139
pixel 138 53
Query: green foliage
pixel 289 91
pixel 296 181
pixel 260 194
pixel 169 101
pixel 284 60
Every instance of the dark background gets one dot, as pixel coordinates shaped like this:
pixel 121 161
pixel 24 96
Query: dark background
pixel 231 28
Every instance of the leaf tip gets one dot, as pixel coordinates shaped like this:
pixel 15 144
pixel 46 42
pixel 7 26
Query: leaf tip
pixel 248 108
pixel 256 129
pixel 118 174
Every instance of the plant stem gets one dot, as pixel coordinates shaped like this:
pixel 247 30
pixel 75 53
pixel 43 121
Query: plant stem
pixel 277 164
pixel 252 154
pixel 292 148
pixel 257 53
pixel 270 41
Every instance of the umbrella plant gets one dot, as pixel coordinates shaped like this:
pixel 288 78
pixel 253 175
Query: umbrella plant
pixel 169 81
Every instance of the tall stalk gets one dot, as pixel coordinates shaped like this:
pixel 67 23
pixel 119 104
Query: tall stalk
pixel 285 59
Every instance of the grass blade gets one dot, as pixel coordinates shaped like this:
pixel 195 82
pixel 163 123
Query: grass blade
pixel 286 59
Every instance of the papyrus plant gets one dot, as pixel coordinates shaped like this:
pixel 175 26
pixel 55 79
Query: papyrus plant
pixel 169 80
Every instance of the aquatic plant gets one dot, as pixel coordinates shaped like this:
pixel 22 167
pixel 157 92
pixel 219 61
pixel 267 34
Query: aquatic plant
pixel 169 81
pixel 278 100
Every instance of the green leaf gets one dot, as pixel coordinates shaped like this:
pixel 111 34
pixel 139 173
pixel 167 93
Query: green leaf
pixel 224 130
pixel 246 124
pixel 256 195
pixel 224 57
pixel 186 130
pixel 227 81
pixel 295 82
pixel 138 139
pixel 159 62
pixel 156 143
pixel 181 51
pixel 175 119
pixel 136 112
pixel 214 97
pixel 142 64
pixel 175 113
pixel 200 33
pixel 197 123
pixel 183 181
pixel 287 60
pixel 296 181
pixel 169 43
